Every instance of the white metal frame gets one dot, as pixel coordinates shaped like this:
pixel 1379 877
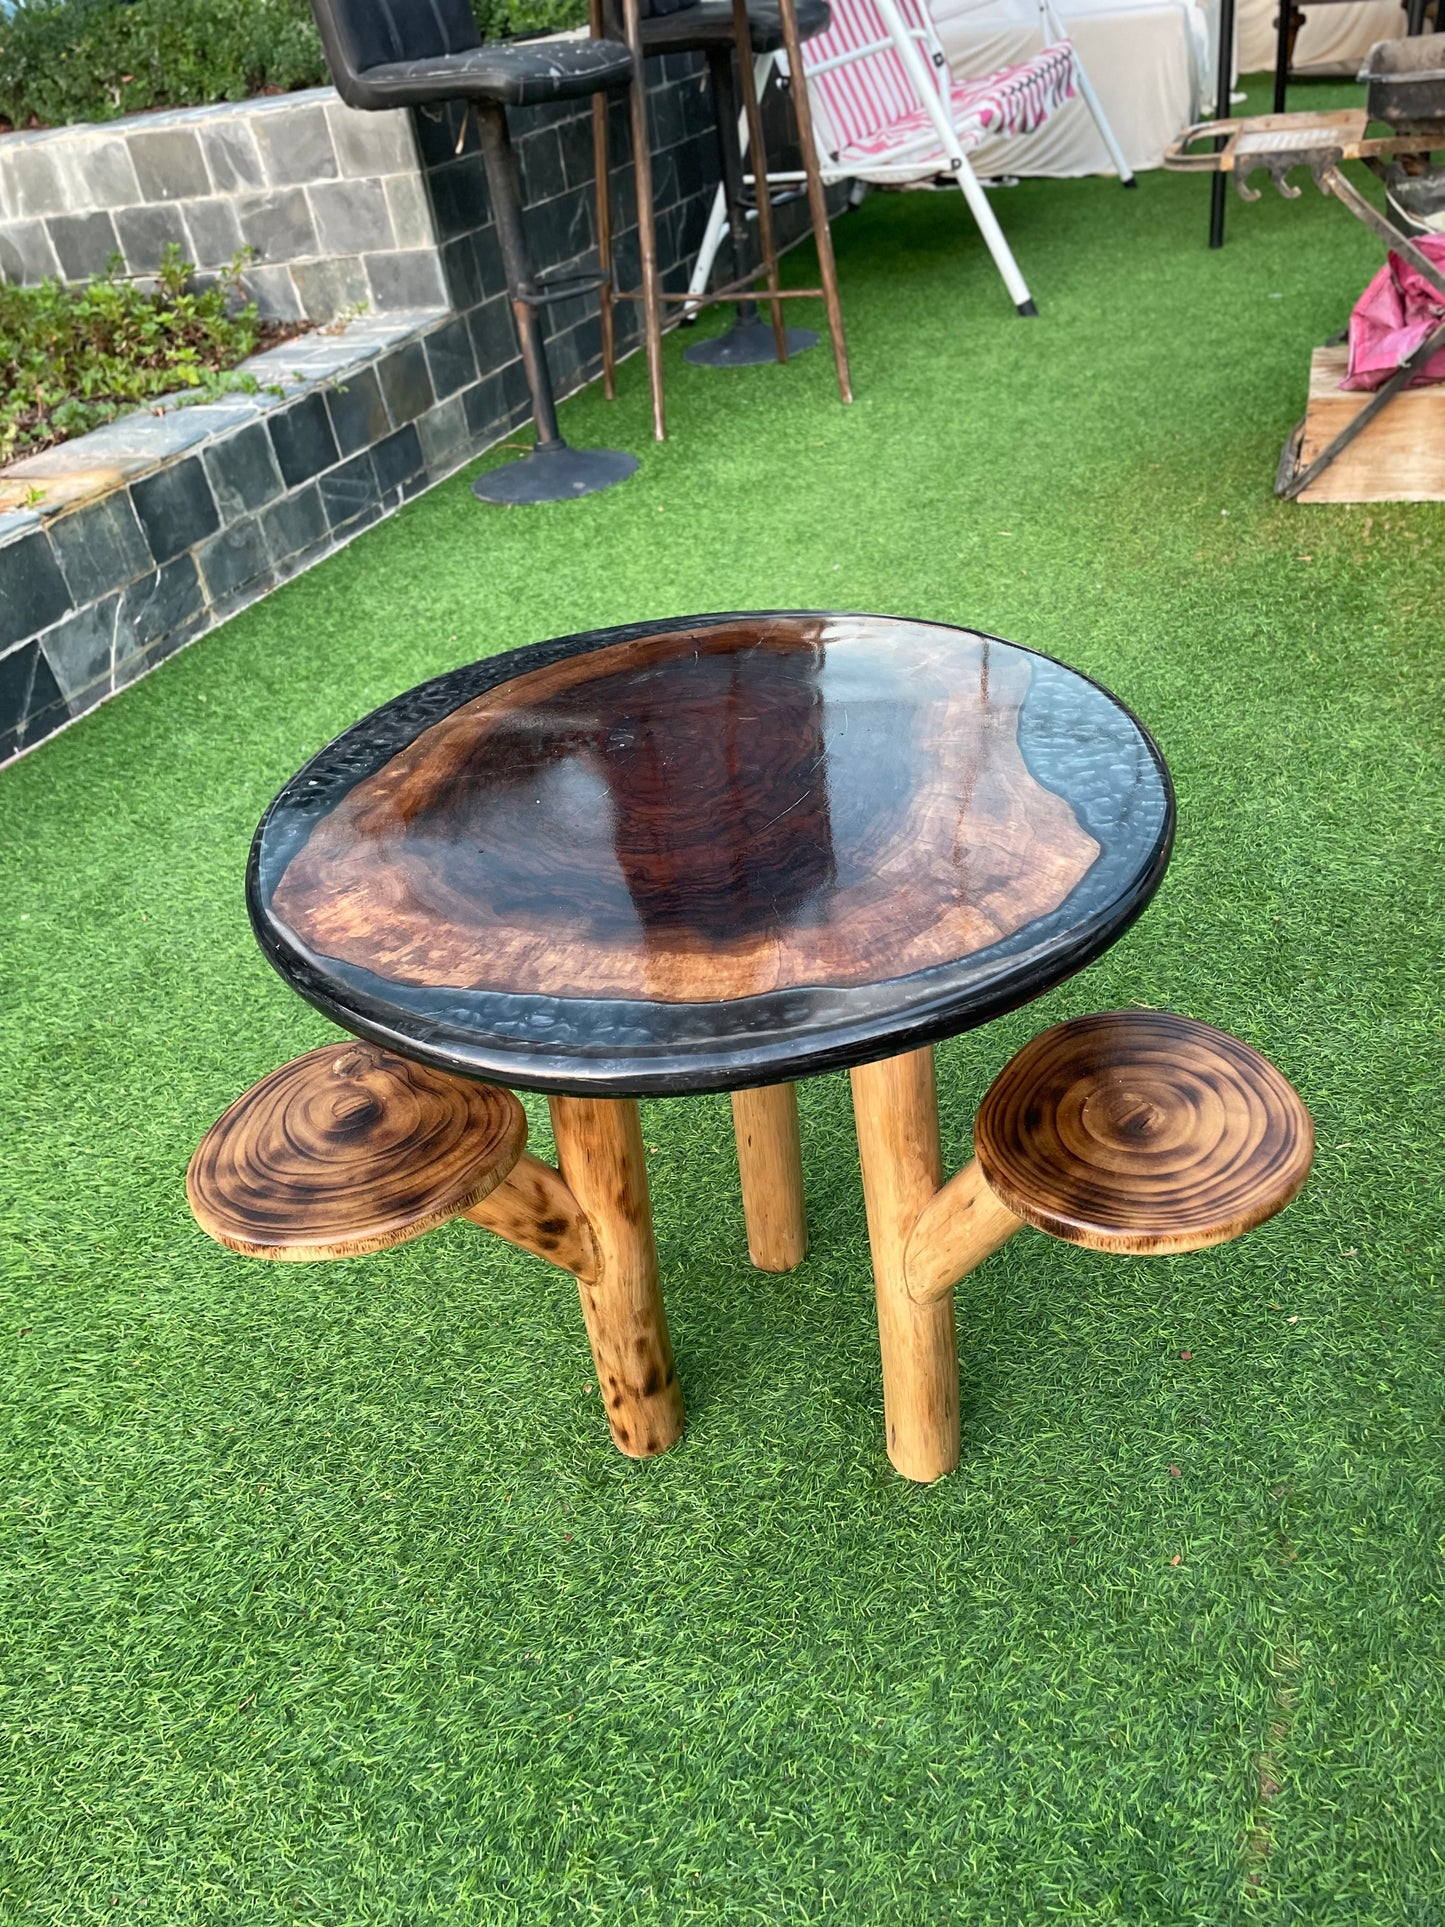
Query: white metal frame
pixel 931 82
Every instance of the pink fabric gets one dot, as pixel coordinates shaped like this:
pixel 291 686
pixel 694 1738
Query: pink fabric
pixel 872 92
pixel 874 108
pixel 1392 317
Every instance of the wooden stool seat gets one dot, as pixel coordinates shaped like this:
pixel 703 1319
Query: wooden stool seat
pixel 1137 1130
pixel 347 1150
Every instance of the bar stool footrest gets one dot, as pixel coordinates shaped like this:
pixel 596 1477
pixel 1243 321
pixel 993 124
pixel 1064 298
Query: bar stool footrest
pixel 547 288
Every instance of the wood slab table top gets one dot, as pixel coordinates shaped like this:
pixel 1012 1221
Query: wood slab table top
pixel 711 853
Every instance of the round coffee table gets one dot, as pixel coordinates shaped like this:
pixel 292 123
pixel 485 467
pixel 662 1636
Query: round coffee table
pixel 719 853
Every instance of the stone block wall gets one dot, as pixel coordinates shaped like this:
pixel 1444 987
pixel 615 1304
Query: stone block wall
pixel 329 201
pixel 202 510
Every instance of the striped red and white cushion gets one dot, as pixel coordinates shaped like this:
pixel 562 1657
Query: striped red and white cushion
pixel 1015 100
pixel 873 108
pixel 871 93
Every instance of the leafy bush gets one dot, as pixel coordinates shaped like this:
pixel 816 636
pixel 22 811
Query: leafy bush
pixel 64 60
pixel 67 60
pixel 72 358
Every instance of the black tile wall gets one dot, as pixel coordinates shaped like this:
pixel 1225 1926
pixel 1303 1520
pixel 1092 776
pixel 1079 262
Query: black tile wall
pixel 234 557
pixel 302 438
pixel 176 507
pixel 243 472
pixel 405 382
pixel 398 459
pixel 17 674
pixel 349 489
pixel 449 357
pixel 294 524
pixel 99 546
pixel 358 412
pixel 161 602
pixel 35 591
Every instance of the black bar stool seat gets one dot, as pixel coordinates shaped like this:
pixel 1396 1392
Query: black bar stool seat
pixel 513 73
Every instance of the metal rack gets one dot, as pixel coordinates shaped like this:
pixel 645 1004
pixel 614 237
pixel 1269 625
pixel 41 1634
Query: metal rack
pixel 1406 90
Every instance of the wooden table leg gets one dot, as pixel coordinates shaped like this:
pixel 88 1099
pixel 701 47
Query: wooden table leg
pixel 770 1164
pixel 895 1107
pixel 600 1155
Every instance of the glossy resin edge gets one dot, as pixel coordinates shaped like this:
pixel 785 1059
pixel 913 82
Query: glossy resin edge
pixel 700 1047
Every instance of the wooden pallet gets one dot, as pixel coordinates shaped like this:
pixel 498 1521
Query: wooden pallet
pixel 1400 457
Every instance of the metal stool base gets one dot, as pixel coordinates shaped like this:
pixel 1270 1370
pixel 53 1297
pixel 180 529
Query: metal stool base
pixel 554 473
pixel 747 344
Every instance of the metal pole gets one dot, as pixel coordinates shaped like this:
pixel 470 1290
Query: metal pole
pixel 646 218
pixel 743 36
pixel 730 165
pixel 1223 81
pixel 1282 51
pixel 602 168
pixel 817 199
pixel 505 190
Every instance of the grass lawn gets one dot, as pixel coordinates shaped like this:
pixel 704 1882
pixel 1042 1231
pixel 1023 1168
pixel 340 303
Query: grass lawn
pixel 324 1597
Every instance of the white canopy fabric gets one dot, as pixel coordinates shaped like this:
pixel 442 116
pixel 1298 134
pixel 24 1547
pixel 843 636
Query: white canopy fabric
pixel 1330 36
pixel 1151 62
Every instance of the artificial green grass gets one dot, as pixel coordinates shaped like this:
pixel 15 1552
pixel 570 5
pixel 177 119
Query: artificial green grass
pixel 325 1597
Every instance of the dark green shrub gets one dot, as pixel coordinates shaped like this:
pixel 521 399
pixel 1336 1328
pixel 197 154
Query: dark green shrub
pixel 72 358
pixel 67 60
pixel 64 60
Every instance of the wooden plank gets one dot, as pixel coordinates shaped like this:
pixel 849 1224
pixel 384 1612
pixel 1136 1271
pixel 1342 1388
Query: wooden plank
pixel 1400 457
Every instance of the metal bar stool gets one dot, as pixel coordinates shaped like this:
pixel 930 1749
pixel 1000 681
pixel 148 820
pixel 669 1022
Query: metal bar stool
pixel 706 26
pixel 414 53
pixel 718 29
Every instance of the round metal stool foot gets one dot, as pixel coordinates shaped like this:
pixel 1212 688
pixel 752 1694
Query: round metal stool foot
pixel 747 344
pixel 554 473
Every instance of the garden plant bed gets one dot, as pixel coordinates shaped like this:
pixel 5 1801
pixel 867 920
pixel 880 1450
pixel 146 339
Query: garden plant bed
pixel 91 60
pixel 73 358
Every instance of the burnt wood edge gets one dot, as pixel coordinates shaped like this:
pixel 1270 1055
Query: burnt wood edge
pixel 967 1220
pixel 659 1071
pixel 534 1209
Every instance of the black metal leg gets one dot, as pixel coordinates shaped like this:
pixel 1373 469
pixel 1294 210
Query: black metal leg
pixel 730 160
pixel 553 472
pixel 506 192
pixel 1283 41
pixel 749 342
pixel 1223 81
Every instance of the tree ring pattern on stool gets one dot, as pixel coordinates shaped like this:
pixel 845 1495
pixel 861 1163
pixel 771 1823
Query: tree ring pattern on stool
pixel 347 1150
pixel 1138 1130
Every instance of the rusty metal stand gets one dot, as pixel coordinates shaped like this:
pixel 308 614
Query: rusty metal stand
pixel 1223 81
pixel 744 286
pixel 650 293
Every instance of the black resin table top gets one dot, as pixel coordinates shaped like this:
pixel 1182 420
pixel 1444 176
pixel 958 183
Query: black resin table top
pixel 712 852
